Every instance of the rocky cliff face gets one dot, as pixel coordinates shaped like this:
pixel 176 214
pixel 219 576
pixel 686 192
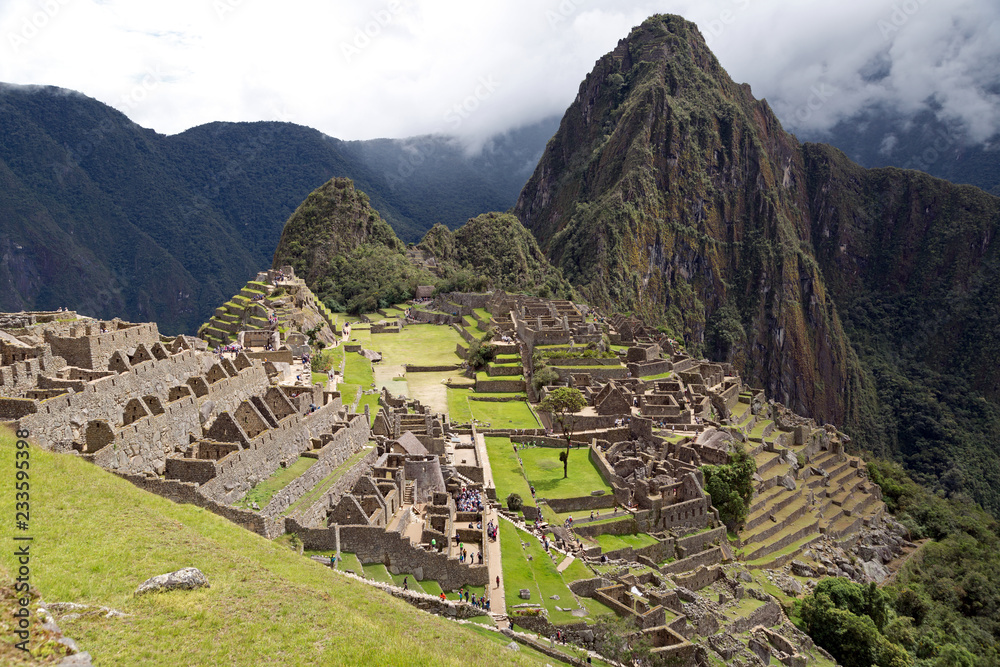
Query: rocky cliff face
pixel 671 192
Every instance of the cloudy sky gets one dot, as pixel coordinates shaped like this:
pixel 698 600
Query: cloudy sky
pixel 394 68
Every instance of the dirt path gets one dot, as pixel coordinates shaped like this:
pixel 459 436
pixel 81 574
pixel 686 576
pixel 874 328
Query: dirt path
pixel 897 563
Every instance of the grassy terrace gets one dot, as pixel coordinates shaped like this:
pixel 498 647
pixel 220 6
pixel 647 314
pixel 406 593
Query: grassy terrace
pixel 613 542
pixel 483 376
pixel 545 472
pixel 282 477
pixel 317 491
pixel 358 370
pixel 540 576
pixel 507 414
pixel 266 605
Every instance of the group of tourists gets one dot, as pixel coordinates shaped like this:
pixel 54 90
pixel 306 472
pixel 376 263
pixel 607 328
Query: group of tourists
pixel 623 421
pixel 232 348
pixel 491 531
pixel 469 501
pixel 480 602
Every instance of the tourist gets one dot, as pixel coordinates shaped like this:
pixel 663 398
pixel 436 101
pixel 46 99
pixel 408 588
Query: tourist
pixel 405 584
pixel 498 581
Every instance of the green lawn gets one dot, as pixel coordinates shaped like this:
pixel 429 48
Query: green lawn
pixel 506 414
pixel 507 473
pixel 545 471
pixel 458 405
pixel 613 542
pixel 282 477
pixel 97 537
pixel 347 393
pixel 370 400
pixel 314 494
pixel 420 345
pixel 661 376
pixel 539 575
pixel 359 371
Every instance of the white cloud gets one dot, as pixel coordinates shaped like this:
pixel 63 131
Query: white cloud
pixel 378 68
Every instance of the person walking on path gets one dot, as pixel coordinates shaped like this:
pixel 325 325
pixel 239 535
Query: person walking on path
pixel 498 581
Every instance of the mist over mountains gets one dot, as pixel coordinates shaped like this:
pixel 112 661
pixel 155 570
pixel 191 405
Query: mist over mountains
pixel 113 219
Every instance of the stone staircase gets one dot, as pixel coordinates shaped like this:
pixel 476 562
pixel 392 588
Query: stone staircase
pixel 832 497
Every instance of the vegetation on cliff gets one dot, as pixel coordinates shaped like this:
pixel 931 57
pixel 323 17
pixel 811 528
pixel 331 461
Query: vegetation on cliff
pixel 943 606
pixel 494 251
pixel 866 298
pixel 347 254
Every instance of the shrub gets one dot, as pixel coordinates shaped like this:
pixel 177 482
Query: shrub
pixel 514 502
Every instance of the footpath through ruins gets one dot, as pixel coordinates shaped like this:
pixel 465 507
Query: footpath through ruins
pixel 400 487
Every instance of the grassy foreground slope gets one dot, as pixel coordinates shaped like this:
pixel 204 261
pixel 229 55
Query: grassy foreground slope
pixel 96 538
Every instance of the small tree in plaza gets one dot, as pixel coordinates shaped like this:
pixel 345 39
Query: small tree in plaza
pixel 561 403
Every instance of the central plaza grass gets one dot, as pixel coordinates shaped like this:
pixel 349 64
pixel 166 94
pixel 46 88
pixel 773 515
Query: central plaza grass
pixel 458 405
pixel 613 542
pixel 419 345
pixel 503 414
pixel 97 537
pixel 507 475
pixel 358 370
pixel 545 471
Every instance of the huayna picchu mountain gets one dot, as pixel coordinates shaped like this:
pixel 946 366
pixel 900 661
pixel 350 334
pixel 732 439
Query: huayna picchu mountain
pixel 351 258
pixel 867 298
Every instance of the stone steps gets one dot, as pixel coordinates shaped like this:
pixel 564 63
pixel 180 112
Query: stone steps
pixel 784 559
pixel 787 516
pixel 781 501
pixel 802 527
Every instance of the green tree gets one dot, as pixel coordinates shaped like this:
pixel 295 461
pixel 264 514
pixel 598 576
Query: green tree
pixel 731 486
pixel 618 638
pixel 561 403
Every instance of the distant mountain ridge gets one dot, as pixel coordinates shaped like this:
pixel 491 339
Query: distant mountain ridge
pixel 112 219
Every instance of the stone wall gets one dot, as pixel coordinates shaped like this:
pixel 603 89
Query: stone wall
pixel 697 580
pixel 374 545
pixel 581 504
pixel 501 386
pixel 267 451
pixel 313 515
pixel 17 408
pixel 604 373
pixel 767 615
pixel 697 542
pixel 704 558
pixel 186 492
pixel 344 443
pixel 94 351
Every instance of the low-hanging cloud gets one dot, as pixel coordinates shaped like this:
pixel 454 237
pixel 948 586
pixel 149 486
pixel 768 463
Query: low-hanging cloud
pixel 396 68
